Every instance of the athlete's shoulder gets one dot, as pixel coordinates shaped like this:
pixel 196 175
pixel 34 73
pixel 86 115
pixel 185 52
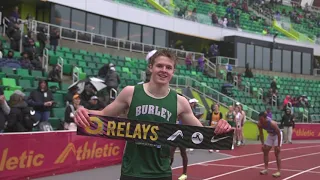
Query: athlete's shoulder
pixel 127 91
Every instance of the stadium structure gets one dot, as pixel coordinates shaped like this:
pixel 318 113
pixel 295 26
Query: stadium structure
pixel 246 35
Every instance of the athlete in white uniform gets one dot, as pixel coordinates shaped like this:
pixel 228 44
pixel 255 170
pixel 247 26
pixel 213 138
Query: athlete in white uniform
pixel 274 139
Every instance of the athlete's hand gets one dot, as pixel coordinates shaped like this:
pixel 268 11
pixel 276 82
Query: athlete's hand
pixel 81 117
pixel 222 127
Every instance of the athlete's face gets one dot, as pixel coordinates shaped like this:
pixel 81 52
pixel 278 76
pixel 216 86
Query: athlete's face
pixel 262 119
pixel 162 70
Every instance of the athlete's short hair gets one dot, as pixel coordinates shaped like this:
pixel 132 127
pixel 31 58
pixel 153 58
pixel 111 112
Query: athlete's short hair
pixel 263 114
pixel 166 53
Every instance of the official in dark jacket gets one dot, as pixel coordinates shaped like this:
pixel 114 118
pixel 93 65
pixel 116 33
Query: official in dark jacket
pixel 287 123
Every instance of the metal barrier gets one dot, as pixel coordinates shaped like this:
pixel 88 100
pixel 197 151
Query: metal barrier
pixel 274 101
pixel 260 94
pixel 60 64
pixel 235 81
pixel 120 44
pixel 113 92
pixel 106 41
pixel 75 74
pixel 315 118
pixel 305 115
pixel 204 90
pixel 45 60
pixel 247 87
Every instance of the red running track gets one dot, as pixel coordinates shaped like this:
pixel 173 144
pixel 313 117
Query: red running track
pixel 299 162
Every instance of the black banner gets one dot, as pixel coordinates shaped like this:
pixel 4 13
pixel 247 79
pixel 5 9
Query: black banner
pixel 157 134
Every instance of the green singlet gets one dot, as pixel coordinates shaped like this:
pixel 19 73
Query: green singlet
pixel 230 119
pixel 144 161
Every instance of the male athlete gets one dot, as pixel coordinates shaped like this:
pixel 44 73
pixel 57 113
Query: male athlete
pixel 274 138
pixel 152 101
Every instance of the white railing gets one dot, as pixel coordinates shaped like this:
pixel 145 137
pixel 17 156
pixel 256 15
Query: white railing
pixel 315 118
pixel 75 74
pixel 187 82
pixel 120 44
pixel 60 64
pixel 45 60
pixel 222 61
pixel 316 72
pixel 106 41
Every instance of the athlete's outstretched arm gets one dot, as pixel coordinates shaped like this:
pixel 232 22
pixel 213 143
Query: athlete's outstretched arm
pixel 120 104
pixel 187 117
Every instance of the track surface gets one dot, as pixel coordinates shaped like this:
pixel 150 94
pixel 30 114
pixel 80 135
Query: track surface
pixel 299 162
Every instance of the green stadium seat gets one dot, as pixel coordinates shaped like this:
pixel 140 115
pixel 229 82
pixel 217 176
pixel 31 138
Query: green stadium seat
pixel 10 84
pixel 7 94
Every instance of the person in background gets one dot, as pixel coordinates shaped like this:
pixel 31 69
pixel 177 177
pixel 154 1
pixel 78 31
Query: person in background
pixel 231 117
pixel 238 119
pixel 215 117
pixel 201 63
pixel 4 110
pixel 71 92
pixel 55 74
pixel 54 39
pixel 25 61
pixel 29 45
pixel 69 113
pixel 188 61
pixel 42 39
pixel 21 118
pixel 287 123
pixel 41 100
pixel 95 104
pixel 229 73
pixel 112 80
pixel 243 120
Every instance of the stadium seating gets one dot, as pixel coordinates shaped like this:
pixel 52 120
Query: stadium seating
pixel 203 10
pixel 303 27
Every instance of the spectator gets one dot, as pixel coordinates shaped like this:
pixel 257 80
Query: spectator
pixel 29 45
pixel 103 71
pixel 14 34
pixel 95 104
pixel 25 61
pixel 287 123
pixel 41 100
pixel 87 93
pixel 10 55
pixel 4 110
pixel 112 80
pixel 69 113
pixel 273 86
pixel 71 92
pixel 42 39
pixel 201 63
pixel 55 74
pixel 15 16
pixel 54 39
pixel 21 117
pixel 229 69
pixel 188 61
